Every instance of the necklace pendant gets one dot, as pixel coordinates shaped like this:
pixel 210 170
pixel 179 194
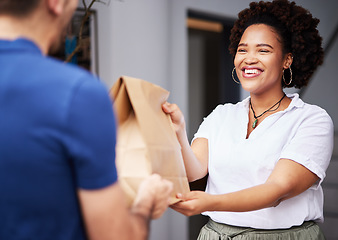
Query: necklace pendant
pixel 254 123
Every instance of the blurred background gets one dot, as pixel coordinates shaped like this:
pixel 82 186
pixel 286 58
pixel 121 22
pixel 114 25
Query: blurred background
pixel 181 45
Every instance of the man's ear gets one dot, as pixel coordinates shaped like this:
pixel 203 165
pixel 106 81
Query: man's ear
pixel 56 7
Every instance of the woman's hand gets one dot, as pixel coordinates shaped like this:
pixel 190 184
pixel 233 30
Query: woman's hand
pixel 176 116
pixel 193 203
pixel 195 160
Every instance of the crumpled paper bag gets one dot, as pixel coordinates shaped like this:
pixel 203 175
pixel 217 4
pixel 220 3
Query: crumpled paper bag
pixel 146 140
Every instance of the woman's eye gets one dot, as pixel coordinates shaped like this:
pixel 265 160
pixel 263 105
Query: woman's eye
pixel 241 50
pixel 264 51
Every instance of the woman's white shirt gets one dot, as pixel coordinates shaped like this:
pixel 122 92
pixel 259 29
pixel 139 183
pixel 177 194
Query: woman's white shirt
pixel 302 133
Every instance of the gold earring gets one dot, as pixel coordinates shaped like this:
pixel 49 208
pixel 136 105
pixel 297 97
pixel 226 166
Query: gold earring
pixel 233 76
pixel 287 84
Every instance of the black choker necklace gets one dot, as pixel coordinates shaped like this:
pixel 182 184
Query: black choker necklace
pixel 269 110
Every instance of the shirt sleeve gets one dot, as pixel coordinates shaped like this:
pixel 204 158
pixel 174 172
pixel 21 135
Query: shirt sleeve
pixel 92 129
pixel 312 143
pixel 206 126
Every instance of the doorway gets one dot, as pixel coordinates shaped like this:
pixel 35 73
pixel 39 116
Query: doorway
pixel 210 82
pixel 210 65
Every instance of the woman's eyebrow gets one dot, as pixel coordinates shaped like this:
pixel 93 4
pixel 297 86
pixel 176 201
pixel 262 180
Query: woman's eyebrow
pixel 258 45
pixel 242 45
pixel 264 45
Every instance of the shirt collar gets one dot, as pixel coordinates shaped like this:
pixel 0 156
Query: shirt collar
pixel 296 102
pixel 19 44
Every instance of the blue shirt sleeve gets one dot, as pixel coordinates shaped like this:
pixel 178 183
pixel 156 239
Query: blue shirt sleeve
pixel 92 136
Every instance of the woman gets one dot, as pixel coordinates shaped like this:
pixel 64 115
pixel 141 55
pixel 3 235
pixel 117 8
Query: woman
pixel 267 155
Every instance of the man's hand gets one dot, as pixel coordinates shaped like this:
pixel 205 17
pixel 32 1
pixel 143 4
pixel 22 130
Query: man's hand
pixel 106 215
pixel 153 197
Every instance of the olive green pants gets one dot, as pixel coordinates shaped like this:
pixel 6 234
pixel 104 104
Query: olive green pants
pixel 217 231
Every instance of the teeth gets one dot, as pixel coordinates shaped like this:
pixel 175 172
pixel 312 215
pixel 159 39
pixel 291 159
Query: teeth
pixel 251 71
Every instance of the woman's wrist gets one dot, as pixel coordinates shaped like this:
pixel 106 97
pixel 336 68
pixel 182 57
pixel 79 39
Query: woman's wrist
pixel 182 135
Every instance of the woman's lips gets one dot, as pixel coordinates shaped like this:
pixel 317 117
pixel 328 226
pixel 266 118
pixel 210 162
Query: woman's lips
pixel 251 72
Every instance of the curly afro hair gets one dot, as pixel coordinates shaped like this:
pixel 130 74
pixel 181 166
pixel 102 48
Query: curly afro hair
pixel 297 30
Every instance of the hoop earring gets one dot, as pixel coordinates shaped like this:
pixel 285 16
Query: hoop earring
pixel 287 84
pixel 233 78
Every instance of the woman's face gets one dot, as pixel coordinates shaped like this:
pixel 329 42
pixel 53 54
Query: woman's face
pixel 260 61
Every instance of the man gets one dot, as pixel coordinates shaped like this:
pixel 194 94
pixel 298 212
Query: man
pixel 57 138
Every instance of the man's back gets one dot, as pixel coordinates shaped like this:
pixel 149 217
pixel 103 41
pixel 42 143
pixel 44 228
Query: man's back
pixel 51 115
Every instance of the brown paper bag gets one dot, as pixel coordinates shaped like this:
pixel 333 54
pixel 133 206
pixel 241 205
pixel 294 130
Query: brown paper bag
pixel 146 140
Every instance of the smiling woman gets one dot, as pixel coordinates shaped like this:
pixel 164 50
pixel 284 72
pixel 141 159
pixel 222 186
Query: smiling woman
pixel 266 156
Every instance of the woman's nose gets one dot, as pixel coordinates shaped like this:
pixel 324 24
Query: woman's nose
pixel 250 58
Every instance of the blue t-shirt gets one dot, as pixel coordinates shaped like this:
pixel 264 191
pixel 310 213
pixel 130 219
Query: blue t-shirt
pixel 57 134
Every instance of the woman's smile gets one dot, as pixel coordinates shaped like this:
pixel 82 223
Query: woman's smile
pixel 251 72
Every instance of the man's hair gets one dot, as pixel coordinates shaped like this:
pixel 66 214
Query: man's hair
pixel 18 8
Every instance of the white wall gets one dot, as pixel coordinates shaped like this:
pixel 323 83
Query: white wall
pixel 133 40
pixel 148 39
